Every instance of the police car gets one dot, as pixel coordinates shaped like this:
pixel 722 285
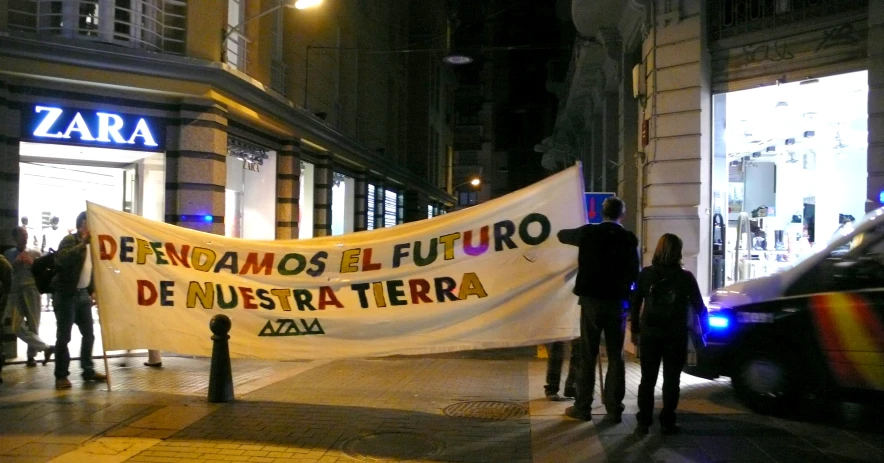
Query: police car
pixel 815 330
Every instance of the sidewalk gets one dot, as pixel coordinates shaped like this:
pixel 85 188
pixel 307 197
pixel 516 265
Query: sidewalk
pixel 471 407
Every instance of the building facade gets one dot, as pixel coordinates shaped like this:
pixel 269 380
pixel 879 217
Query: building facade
pixel 238 117
pixel 753 129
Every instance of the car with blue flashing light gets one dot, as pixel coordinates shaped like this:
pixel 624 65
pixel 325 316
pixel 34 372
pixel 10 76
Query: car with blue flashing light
pixel 815 330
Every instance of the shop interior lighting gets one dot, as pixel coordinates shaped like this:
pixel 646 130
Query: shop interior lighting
pixel 790 141
pixel 246 152
pixel 809 133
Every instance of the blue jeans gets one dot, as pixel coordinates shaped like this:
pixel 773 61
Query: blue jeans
pixel 71 309
pixel 596 317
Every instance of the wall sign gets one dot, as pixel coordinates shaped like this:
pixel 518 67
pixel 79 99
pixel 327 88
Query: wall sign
pixel 54 124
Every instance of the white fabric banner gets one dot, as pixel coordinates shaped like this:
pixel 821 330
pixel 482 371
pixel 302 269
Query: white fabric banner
pixel 490 276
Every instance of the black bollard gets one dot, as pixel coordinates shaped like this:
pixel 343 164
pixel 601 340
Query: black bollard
pixel 220 375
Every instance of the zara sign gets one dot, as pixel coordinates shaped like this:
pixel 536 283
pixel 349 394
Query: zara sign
pixel 53 124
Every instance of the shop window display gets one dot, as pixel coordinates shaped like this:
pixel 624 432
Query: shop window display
pixel 305 201
pixel 251 179
pixel 343 204
pixel 789 170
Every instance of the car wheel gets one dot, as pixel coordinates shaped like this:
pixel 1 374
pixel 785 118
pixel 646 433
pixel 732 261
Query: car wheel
pixel 764 384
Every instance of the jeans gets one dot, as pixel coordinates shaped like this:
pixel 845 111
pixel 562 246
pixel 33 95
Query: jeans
pixel 596 317
pixel 556 358
pixel 672 350
pixel 71 309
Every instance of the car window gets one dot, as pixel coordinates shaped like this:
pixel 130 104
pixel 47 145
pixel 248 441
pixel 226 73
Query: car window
pixel 857 265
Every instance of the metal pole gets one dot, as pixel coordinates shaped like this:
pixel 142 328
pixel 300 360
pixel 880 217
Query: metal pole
pixel 220 374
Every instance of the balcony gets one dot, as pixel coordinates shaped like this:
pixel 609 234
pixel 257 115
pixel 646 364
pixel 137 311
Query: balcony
pixel 730 18
pixel 153 25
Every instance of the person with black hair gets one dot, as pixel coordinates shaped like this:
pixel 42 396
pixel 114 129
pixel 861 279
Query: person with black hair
pixel 660 329
pixel 607 265
pixel 73 298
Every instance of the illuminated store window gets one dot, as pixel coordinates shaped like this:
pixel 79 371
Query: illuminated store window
pixel 250 211
pixel 343 204
pixel 392 208
pixel 305 201
pixel 156 25
pixel 370 208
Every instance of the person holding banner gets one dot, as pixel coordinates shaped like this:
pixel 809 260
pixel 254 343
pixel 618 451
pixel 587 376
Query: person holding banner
pixel 73 299
pixel 555 359
pixel 607 267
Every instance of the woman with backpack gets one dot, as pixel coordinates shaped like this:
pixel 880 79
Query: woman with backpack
pixel 660 329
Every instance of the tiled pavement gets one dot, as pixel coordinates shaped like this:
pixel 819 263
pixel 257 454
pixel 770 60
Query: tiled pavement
pixel 393 409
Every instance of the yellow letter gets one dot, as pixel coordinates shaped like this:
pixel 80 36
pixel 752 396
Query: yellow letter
pixel 283 296
pixel 143 250
pixel 197 257
pixel 471 285
pixel 349 261
pixel 206 295
pixel 448 241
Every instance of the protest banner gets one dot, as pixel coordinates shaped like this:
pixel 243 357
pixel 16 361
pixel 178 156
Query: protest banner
pixel 489 276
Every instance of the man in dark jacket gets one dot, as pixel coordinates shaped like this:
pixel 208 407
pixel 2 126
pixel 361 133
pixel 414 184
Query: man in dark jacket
pixel 608 265
pixel 73 298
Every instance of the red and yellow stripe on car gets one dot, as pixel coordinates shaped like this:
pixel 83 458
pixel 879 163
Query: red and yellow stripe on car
pixel 851 335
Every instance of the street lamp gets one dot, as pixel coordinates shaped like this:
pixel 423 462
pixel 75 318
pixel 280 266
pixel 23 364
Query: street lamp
pixel 474 182
pixel 298 4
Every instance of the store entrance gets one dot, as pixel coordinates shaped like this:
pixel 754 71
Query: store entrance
pixel 789 172
pixel 56 181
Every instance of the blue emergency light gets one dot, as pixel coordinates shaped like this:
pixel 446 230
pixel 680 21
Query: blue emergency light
pixel 208 218
pixel 881 197
pixel 717 321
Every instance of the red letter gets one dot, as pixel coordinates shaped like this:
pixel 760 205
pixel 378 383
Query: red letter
pixel 367 265
pixel 151 296
pixel 247 298
pixel 176 258
pixel 327 296
pixel 419 290
pixel 107 254
pixel 483 242
pixel 252 263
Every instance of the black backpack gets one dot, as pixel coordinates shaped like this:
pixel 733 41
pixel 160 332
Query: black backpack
pixel 44 270
pixel 666 305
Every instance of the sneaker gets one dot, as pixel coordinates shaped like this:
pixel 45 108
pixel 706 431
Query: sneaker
pixel 62 383
pixel 31 362
pixel 47 354
pixel 95 376
pixel 572 412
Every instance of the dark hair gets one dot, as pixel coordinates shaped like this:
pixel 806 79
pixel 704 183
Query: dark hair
pixel 80 219
pixel 668 252
pixel 17 230
pixel 613 208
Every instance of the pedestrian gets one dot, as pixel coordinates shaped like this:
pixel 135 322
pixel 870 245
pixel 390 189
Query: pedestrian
pixel 554 360
pixel 31 232
pixel 661 329
pixel 5 283
pixel 607 266
pixel 24 298
pixel 73 298
pixel 52 236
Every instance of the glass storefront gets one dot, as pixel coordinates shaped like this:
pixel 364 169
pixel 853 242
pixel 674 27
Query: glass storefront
pixel 343 204
pixel 305 201
pixel 57 180
pixel 250 182
pixel 789 170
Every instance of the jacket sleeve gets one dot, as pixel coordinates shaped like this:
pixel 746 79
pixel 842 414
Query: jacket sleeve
pixel 635 304
pixel 71 253
pixel 635 264
pixel 697 302
pixel 572 236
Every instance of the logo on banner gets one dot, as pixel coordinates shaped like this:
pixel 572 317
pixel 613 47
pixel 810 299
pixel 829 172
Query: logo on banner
pixel 92 127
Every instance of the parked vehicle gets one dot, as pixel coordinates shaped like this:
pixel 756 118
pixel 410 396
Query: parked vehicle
pixel 815 330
